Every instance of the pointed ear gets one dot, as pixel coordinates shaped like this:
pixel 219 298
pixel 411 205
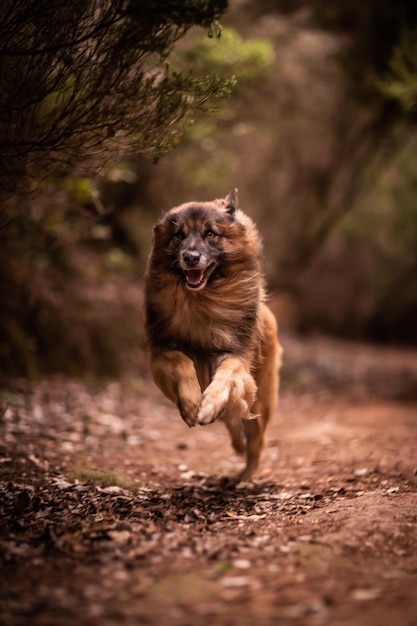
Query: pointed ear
pixel 232 202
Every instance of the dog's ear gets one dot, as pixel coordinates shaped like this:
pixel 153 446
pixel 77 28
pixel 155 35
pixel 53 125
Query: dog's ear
pixel 232 202
pixel 157 228
pixel 161 230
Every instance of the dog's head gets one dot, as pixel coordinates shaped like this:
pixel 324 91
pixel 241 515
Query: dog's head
pixel 198 241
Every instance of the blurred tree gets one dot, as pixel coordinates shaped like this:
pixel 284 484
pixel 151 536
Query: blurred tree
pixel 373 30
pixel 372 290
pixel 377 79
pixel 82 75
pixel 82 81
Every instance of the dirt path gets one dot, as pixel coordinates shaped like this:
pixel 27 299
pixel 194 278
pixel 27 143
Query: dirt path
pixel 114 512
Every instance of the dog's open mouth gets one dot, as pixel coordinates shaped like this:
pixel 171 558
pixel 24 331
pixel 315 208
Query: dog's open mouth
pixel 197 279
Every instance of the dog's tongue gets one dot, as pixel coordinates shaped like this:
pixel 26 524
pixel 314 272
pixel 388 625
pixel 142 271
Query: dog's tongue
pixel 195 276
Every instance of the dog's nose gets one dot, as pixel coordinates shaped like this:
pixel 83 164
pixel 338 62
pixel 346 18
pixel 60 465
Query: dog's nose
pixel 191 257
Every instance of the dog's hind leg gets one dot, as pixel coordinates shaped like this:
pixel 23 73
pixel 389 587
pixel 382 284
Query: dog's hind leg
pixel 254 442
pixel 254 429
pixel 234 425
pixel 267 380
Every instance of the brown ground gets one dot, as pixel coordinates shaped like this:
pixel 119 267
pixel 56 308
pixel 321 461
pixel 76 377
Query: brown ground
pixel 114 512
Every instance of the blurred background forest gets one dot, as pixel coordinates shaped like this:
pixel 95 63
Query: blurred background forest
pixel 308 107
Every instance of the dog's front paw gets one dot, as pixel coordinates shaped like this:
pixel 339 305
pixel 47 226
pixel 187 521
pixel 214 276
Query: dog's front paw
pixel 188 409
pixel 188 400
pixel 213 403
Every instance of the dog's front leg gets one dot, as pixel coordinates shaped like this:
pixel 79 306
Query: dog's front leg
pixel 176 377
pixel 232 388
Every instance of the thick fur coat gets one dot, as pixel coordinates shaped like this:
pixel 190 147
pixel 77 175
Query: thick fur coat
pixel 212 341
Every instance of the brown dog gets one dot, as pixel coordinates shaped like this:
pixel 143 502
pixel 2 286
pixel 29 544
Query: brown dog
pixel 212 341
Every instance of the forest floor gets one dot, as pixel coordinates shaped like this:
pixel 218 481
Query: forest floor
pixel 113 512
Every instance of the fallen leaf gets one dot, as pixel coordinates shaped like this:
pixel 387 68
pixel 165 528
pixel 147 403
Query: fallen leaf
pixel 120 536
pixel 365 595
pixel 245 517
pixel 236 581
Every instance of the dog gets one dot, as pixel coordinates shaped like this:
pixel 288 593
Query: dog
pixel 211 339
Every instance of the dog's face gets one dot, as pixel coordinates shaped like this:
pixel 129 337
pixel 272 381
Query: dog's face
pixel 199 242
pixel 197 238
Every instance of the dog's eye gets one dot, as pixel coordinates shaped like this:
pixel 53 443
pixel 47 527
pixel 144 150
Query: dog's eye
pixel 210 234
pixel 179 234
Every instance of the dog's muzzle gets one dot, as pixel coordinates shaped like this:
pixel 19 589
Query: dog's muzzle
pixel 196 269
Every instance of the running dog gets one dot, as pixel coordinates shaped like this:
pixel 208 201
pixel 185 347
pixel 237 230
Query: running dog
pixel 211 339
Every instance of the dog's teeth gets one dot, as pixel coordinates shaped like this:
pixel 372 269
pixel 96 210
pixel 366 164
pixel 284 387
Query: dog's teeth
pixel 195 276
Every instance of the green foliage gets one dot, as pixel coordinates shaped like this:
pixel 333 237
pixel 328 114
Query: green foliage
pixel 87 75
pixel 247 60
pixel 206 155
pixel 82 191
pixel 400 83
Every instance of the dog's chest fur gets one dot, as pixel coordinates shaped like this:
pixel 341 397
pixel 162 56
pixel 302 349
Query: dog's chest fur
pixel 188 314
